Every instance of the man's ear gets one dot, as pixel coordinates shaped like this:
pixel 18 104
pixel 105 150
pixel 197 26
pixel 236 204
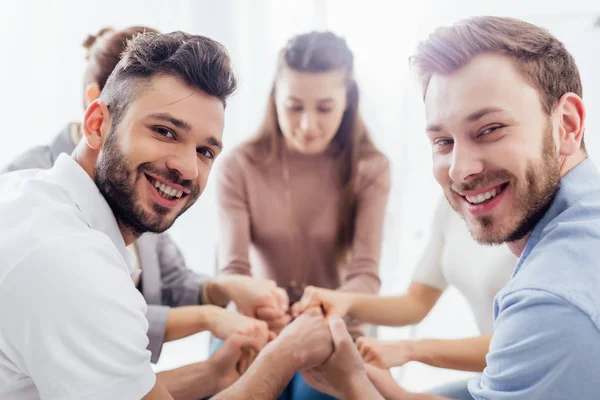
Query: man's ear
pixel 91 93
pixel 571 118
pixel 96 124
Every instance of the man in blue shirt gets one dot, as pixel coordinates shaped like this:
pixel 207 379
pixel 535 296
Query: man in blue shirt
pixel 505 119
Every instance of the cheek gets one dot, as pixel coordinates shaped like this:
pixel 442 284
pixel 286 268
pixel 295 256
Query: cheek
pixel 331 123
pixel 441 169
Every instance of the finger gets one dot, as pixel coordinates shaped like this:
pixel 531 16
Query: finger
pixel 282 298
pixel 339 333
pixel 269 313
pixel 309 298
pixel 280 323
pixel 272 336
pixel 249 343
pixel 313 312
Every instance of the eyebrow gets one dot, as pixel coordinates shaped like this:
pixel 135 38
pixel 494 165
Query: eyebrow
pixel 178 123
pixel 481 113
pixel 213 141
pixel 325 100
pixel 473 117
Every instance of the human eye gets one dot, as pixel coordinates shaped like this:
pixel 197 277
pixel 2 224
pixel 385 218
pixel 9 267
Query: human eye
pixel 163 131
pixel 441 144
pixel 206 152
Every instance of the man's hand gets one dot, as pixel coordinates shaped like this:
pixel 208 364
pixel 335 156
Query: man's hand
pixel 307 340
pixel 343 375
pixel 332 302
pixel 384 354
pixel 223 323
pixel 250 294
pixel 225 361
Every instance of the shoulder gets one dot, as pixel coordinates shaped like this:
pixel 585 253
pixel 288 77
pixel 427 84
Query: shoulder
pixel 373 169
pixel 36 157
pixel 243 159
pixel 564 263
pixel 82 266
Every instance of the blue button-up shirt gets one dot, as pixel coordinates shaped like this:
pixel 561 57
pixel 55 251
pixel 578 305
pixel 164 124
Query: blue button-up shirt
pixel 546 342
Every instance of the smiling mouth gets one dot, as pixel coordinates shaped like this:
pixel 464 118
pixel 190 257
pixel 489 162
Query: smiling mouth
pixel 165 191
pixel 483 198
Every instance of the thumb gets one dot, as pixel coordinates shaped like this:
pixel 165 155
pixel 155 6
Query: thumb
pixel 339 332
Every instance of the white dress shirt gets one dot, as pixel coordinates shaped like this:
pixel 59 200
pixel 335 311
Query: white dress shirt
pixel 72 324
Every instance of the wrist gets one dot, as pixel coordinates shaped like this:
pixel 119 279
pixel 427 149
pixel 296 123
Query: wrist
pixel 410 350
pixel 360 387
pixel 291 354
pixel 218 291
pixel 207 316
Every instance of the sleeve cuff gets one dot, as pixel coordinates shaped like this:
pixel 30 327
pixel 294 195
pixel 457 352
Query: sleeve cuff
pixel 135 389
pixel 192 293
pixel 157 326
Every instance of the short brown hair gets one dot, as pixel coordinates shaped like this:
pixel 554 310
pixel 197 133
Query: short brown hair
pixel 540 57
pixel 198 61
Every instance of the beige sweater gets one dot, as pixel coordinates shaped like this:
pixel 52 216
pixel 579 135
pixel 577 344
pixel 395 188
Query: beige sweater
pixel 285 213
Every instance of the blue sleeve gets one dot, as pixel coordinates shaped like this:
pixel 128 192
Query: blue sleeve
pixel 543 348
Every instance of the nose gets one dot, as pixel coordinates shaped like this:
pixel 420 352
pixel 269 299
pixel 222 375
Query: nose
pixel 184 161
pixel 308 122
pixel 466 162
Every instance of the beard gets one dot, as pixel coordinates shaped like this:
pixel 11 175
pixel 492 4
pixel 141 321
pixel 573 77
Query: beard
pixel 117 183
pixel 533 196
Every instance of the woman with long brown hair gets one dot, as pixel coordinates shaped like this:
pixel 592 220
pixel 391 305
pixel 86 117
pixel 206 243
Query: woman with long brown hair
pixel 308 193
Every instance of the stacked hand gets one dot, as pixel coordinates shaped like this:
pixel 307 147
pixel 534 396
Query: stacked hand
pixel 226 360
pixel 343 375
pixel 331 301
pixel 257 298
pixel 384 354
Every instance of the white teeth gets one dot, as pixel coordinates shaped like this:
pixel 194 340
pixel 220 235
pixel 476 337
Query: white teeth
pixel 165 190
pixel 480 198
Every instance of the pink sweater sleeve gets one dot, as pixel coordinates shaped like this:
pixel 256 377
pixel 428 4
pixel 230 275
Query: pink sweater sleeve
pixel 362 273
pixel 234 219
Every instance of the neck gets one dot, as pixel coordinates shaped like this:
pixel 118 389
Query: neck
pixel 569 162
pixel 128 235
pixel 518 246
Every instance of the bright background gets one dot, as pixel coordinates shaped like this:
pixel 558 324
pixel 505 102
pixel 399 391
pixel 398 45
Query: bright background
pixel 41 90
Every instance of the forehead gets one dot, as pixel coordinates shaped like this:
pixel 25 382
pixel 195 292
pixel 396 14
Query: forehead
pixel 487 81
pixel 311 86
pixel 166 94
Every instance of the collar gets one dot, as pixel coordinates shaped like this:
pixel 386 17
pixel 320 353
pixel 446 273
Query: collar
pixel 580 181
pixel 96 212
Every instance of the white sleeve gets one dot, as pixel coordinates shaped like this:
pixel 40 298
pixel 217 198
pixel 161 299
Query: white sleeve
pixel 77 326
pixel 429 269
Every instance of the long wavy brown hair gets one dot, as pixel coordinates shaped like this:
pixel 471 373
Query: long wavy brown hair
pixel 317 52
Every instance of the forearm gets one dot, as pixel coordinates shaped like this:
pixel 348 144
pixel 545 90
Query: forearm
pixel 387 311
pixel 460 354
pixel 191 382
pixel 186 321
pixel 361 388
pixel 265 379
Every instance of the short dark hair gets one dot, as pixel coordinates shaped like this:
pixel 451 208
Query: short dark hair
pixel 200 62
